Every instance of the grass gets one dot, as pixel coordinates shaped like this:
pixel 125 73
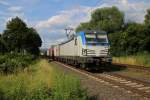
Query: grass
pixel 11 63
pixel 139 59
pixel 67 88
pixel 23 85
pixel 40 81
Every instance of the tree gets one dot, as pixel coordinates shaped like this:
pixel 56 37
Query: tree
pixel 135 38
pixel 19 37
pixel 147 25
pixel 32 41
pixel 15 31
pixel 84 26
pixel 109 19
pixel 126 38
pixel 3 45
pixel 147 18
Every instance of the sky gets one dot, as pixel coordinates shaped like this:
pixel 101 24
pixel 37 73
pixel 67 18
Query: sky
pixel 51 17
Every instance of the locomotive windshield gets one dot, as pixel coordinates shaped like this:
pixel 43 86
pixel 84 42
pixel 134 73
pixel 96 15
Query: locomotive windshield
pixel 102 38
pixel 96 38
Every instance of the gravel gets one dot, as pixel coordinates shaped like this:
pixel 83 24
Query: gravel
pixel 101 91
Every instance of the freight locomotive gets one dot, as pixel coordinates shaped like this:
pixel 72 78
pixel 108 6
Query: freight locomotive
pixel 84 49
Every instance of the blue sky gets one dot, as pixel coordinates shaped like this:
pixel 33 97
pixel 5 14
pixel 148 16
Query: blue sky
pixel 50 17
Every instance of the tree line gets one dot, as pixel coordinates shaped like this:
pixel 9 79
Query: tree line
pixel 19 38
pixel 126 38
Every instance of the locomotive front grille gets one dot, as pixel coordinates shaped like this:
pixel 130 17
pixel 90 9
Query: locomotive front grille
pixel 87 52
pixel 102 52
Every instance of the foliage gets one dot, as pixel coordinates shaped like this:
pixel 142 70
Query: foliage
pixel 147 18
pixel 32 41
pixel 10 63
pixel 141 59
pixel 36 83
pixel 31 84
pixel 67 88
pixel 109 19
pixel 126 38
pixel 3 45
pixel 20 38
pixel 135 38
pixel 84 26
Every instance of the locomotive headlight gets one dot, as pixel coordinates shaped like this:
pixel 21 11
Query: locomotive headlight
pixel 109 52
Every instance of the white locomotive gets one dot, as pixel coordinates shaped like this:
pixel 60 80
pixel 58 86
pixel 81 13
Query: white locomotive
pixel 87 47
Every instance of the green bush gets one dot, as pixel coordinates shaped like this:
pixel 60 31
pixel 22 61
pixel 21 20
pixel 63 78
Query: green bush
pixel 10 63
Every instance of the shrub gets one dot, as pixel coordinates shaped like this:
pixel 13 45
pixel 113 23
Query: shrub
pixel 10 63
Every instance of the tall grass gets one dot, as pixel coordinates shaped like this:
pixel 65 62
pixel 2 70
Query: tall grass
pixel 34 82
pixel 67 88
pixel 41 81
pixel 138 59
pixel 11 63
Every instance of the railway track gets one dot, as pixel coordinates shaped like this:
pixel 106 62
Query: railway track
pixel 134 86
pixel 147 69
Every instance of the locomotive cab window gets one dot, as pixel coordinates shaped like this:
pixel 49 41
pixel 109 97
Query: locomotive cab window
pixel 102 38
pixel 90 38
pixel 93 39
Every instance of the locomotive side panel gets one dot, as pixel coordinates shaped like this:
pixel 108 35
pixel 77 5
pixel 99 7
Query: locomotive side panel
pixel 68 48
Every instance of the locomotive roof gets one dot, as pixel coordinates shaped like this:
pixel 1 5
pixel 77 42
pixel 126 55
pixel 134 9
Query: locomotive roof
pixel 93 31
pixel 66 41
pixel 87 32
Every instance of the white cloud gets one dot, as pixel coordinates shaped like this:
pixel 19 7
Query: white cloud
pixel 3 2
pixel 55 25
pixel 15 9
pixel 54 20
pixel 65 18
pixel 134 11
pixel 124 2
pixel 9 13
